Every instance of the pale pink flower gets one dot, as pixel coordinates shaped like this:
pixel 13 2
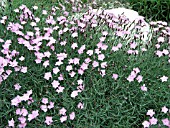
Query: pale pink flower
pixel 47 54
pixel 161 39
pixel 46 63
pixel 24 112
pixel 72 74
pixel 22 120
pixel 11 123
pixel 103 64
pixel 45 100
pixel 157 46
pixel 47 75
pixel 62 111
pixel 166 122
pixel 159 53
pixel 51 105
pixel 80 81
pixel 33 115
pixel 80 71
pixel 44 12
pixel 130 78
pixel 146 124
pixel 97 51
pixel 75 34
pixel 74 45
pixel 115 48
pixel 35 7
pixel 101 57
pixel 76 61
pixel 164 78
pixel 139 78
pixel 150 113
pixel 63 118
pixel 115 76
pixel 80 105
pixel 119 45
pixel 24 69
pixel 61 77
pixel 21 58
pixel 69 68
pixel 17 86
pixel 74 94
pixel 72 116
pixel 60 89
pixel 95 64
pixel 153 121
pixel 144 88
pixel 165 52
pixel 56 70
pixel 133 45
pixel 16 101
pixel 55 84
pixel 48 120
pixel 164 109
pixel 90 52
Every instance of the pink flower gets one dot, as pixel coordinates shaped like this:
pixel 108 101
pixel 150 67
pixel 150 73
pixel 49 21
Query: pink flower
pixel 21 58
pixel 63 118
pixel 72 116
pixel 150 112
pixel 24 112
pixel 48 120
pixel 51 105
pixel 146 124
pixel 101 57
pixel 165 52
pixel 56 70
pixel 22 120
pixel 75 34
pixel 69 68
pixel 153 121
pixel 144 88
pixel 45 100
pixel 95 64
pixel 133 45
pixel 44 12
pixel 80 82
pixel 90 52
pixel 62 111
pixel 130 78
pixel 166 122
pixel 17 86
pixel 159 53
pixel 76 61
pixel 35 7
pixel 161 39
pixel 164 109
pixel 164 78
pixel 33 115
pixel 103 64
pixel 11 123
pixel 44 108
pixel 74 45
pixel 115 48
pixel 139 78
pixel 46 63
pixel 80 105
pixel 55 84
pixel 24 69
pixel 74 94
pixel 60 89
pixel 47 75
pixel 115 76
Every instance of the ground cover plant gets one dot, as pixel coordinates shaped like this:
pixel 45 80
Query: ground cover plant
pixel 57 70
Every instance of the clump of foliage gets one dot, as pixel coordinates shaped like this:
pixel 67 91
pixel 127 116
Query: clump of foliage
pixel 152 9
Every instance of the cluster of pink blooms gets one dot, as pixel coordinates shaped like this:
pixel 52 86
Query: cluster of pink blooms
pixel 92 57
pixel 154 121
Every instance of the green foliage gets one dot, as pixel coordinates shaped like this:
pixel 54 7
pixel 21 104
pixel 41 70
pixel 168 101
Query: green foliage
pixel 152 9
